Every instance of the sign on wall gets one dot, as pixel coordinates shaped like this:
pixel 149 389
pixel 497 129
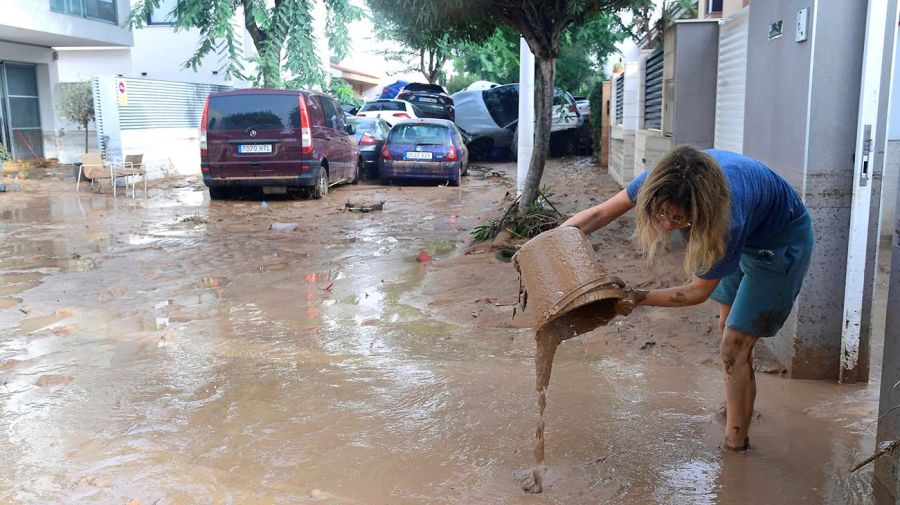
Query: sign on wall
pixel 122 92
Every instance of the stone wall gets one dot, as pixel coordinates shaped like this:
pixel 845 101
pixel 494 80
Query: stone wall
pixel 649 148
pixel 621 155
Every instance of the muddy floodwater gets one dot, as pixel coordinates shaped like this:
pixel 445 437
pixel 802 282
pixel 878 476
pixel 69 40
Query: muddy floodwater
pixel 177 350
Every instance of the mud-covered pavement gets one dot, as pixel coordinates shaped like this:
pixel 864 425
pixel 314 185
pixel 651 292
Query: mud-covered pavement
pixel 177 350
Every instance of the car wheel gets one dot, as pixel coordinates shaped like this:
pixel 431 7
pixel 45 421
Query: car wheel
pixel 218 193
pixel 385 181
pixel 514 146
pixel 321 187
pixel 465 171
pixel 359 170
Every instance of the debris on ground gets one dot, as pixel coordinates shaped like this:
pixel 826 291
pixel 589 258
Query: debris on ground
pixel 11 186
pixel 423 257
pixel 364 207
pixel 194 219
pixel 283 226
pixel 541 216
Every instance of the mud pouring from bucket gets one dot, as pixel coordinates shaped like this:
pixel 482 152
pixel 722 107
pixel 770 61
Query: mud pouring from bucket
pixel 569 293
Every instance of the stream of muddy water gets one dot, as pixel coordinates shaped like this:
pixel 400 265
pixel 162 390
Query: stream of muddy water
pixel 546 343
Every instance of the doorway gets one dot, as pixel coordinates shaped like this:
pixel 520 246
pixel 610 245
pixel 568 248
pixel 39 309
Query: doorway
pixel 20 112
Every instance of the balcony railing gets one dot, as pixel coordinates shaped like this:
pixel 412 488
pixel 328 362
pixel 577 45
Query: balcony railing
pixel 101 10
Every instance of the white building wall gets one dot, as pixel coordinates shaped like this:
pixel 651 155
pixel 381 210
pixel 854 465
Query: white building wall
pixel 33 22
pixel 73 65
pixel 631 112
pixel 153 41
pixel 159 52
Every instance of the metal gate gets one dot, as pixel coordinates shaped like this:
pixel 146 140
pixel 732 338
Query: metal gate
pixel 128 104
pixel 20 117
pixel 653 96
pixel 732 82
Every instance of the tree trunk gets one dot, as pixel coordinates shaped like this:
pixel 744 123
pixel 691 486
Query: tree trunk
pixel 85 137
pixel 543 114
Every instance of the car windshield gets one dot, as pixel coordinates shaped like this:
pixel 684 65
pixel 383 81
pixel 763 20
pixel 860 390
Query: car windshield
pixel 419 134
pixel 375 106
pixel 246 111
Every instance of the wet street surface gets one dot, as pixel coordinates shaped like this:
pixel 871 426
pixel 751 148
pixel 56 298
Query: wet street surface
pixel 177 350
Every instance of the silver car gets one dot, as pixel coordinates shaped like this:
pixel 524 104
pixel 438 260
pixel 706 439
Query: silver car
pixel 491 116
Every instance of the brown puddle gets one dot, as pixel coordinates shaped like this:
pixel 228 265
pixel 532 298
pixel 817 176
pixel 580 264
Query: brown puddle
pixel 386 388
pixel 40 322
pixel 571 295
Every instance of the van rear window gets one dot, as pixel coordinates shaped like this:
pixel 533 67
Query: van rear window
pixel 262 112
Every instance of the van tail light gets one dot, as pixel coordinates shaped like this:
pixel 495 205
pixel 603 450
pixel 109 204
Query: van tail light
pixel 367 140
pixel 305 129
pixel 204 147
pixel 573 109
pixel 401 114
pixel 386 153
pixel 452 155
pixel 447 100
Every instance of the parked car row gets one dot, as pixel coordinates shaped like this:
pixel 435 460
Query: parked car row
pixel 278 141
pixel 427 100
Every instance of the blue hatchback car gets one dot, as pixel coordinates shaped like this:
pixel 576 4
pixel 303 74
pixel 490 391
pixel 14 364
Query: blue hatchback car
pixel 425 150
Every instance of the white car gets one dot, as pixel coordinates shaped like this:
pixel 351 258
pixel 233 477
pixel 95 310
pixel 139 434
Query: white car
pixel 481 85
pixel 390 110
pixel 584 106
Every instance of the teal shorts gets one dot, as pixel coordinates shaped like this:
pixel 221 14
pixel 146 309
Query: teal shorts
pixel 762 292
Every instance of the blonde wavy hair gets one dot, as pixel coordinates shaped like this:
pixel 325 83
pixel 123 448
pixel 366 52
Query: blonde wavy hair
pixel 692 180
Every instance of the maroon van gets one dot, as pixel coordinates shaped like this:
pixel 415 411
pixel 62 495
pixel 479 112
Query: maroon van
pixel 275 140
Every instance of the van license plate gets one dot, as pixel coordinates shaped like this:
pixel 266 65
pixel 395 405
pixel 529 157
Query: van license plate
pixel 254 148
pixel 415 155
pixel 274 190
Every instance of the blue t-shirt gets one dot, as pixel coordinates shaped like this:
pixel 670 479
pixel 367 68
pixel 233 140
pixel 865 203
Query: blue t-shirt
pixel 762 203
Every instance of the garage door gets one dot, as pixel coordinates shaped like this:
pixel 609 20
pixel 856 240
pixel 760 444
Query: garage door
pixel 732 81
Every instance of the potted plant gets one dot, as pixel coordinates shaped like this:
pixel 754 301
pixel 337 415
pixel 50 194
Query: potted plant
pixel 4 155
pixel 76 104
